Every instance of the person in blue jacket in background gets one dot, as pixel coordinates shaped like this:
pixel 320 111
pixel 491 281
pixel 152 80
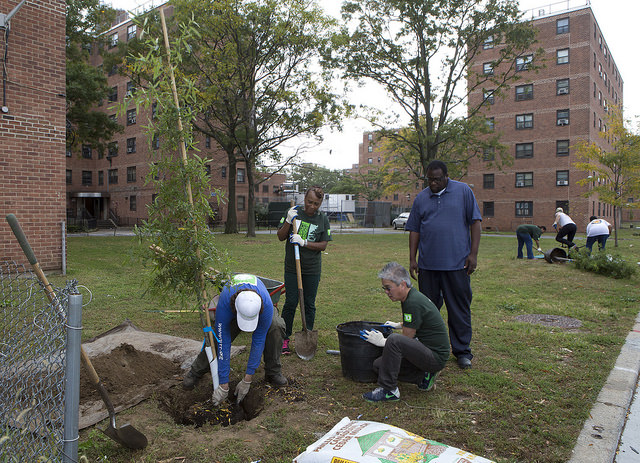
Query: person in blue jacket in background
pixel 244 305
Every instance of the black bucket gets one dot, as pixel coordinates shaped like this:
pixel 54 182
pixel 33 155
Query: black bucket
pixel 555 255
pixel 356 354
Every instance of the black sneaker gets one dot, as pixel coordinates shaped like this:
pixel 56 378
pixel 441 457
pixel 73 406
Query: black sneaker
pixel 380 394
pixel 190 380
pixel 428 382
pixel 277 380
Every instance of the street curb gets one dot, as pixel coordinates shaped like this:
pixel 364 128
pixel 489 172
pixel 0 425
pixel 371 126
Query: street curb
pixel 600 435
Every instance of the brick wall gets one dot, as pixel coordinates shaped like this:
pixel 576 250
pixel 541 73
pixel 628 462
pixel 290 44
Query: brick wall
pixel 32 131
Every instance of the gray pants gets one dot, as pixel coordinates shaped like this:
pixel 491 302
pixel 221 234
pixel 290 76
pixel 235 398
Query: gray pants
pixel 404 359
pixel 271 354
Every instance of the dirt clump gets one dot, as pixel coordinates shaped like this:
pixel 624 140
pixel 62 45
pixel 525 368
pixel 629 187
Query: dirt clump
pixel 124 370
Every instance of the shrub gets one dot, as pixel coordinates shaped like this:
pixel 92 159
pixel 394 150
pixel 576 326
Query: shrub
pixel 603 263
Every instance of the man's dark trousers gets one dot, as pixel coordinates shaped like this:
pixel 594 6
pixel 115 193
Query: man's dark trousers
pixel 453 288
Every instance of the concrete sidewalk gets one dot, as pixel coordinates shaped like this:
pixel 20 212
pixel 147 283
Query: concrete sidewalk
pixel 615 418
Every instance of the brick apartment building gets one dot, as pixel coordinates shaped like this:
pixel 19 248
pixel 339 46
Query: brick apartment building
pixel 541 118
pixel 32 128
pixel 113 186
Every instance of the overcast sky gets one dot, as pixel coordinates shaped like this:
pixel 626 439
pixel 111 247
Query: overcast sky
pixel 618 19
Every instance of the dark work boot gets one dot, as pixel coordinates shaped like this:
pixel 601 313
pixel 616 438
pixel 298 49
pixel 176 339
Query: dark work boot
pixel 277 380
pixel 190 380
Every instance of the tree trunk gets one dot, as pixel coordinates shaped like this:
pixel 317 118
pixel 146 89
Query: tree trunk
pixel 615 226
pixel 251 205
pixel 231 225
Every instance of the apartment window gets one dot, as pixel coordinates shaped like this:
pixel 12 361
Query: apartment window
pixel 87 177
pixel 131 145
pixel 523 62
pixel 562 177
pixel 131 32
pixel 524 121
pixel 207 141
pixel 112 149
pixel 69 176
pixel 241 203
pixel 487 69
pixel 113 118
pixel 524 179
pixel 488 96
pixel 207 169
pixel 562 117
pixel 240 175
pixel 370 137
pixel 113 40
pixel 101 177
pixel 131 116
pixel 113 71
pixel 131 88
pixel 564 204
pixel 562 148
pixel 562 26
pixel 491 123
pixel 488 181
pixel 488 153
pixel 524 92
pixel 155 142
pixel 488 209
pixel 133 203
pixel 223 172
pixel 524 150
pixel 68 152
pixel 265 188
pixel 562 56
pixel 113 176
pixel 131 174
pixel 600 98
pixel 488 43
pixel 86 151
pixel 370 148
pixel 524 208
pixel 154 110
pixel 562 87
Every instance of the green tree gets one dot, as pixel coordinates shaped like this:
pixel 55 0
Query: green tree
pixel 614 173
pixel 260 80
pixel 86 85
pixel 309 174
pixel 421 53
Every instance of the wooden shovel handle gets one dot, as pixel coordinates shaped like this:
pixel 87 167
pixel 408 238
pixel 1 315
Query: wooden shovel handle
pixel 296 249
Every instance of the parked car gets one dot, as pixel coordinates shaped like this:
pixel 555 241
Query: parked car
pixel 400 221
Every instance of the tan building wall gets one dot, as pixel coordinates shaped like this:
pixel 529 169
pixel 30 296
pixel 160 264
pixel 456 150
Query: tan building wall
pixel 575 50
pixel 32 130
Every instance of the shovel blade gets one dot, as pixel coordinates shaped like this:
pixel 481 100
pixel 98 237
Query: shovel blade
pixel 306 343
pixel 127 436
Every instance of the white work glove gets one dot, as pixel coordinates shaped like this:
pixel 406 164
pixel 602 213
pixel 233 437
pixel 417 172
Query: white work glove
pixel 539 249
pixel 219 395
pixel 297 239
pixel 291 215
pixel 394 325
pixel 241 390
pixel 375 337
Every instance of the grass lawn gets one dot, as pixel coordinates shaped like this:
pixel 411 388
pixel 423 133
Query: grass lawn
pixel 525 400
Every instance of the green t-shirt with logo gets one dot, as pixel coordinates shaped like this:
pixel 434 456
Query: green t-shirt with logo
pixel 420 314
pixel 313 229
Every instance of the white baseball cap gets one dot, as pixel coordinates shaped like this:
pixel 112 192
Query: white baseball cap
pixel 559 209
pixel 248 305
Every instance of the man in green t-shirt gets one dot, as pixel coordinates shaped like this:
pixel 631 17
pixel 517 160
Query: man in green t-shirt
pixel 527 232
pixel 420 352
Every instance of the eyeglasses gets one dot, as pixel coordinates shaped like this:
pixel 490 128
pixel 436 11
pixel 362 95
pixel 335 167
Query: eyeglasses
pixel 436 179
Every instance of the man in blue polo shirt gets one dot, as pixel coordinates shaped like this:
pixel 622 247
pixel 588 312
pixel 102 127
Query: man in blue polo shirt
pixel 445 226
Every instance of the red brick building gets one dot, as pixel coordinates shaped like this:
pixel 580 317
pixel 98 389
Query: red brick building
pixel 32 128
pixel 112 186
pixel 540 119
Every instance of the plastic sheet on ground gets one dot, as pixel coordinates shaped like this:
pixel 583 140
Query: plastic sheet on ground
pixel 368 441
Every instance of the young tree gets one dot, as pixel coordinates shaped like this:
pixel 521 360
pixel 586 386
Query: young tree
pixel 614 173
pixel 260 80
pixel 86 85
pixel 308 174
pixel 421 53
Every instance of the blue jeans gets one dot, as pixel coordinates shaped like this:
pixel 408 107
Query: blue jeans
pixel 524 239
pixel 601 239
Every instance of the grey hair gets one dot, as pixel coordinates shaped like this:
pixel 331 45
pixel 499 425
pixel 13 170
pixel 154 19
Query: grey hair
pixel 395 272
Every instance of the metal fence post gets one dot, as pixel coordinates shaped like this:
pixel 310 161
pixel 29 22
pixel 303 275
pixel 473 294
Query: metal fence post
pixel 72 379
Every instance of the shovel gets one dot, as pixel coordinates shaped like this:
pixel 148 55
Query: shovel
pixel 305 341
pixel 126 435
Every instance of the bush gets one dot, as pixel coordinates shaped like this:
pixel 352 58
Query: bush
pixel 603 263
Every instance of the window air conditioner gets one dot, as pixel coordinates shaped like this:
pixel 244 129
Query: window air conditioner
pixel 129 149
pixel 563 182
pixel 519 184
pixel 563 121
pixel 563 91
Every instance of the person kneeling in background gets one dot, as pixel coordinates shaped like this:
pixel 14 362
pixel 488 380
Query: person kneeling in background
pixel 420 352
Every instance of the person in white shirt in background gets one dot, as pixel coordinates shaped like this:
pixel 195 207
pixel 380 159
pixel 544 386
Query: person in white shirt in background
pixel 565 227
pixel 598 230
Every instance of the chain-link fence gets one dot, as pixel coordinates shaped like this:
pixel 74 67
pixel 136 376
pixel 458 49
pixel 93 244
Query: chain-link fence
pixel 33 336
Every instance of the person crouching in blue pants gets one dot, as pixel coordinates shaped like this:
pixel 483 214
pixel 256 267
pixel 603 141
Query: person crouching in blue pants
pixel 525 234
